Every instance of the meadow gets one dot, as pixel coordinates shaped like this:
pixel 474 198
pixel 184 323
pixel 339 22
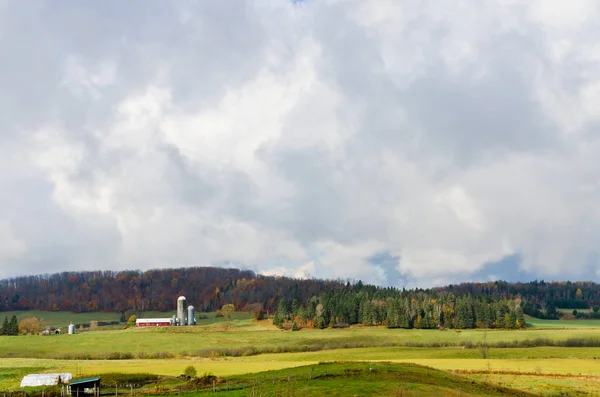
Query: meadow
pixel 249 348
pixel 63 319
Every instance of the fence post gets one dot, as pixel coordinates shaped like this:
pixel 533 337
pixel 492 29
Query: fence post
pixel 214 386
pixel 132 390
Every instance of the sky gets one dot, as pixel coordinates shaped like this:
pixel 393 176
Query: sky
pixel 405 143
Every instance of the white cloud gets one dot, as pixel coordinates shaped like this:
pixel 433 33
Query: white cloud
pixel 303 140
pixel 11 247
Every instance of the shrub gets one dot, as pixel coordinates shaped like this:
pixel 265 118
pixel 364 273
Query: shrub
pixel 190 371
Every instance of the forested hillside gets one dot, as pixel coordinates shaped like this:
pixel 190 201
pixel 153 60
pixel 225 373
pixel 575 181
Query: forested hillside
pixel 209 288
pixel 468 305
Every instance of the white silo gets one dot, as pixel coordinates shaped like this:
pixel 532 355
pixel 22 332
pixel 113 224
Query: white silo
pixel 181 315
pixel 71 330
pixel 190 316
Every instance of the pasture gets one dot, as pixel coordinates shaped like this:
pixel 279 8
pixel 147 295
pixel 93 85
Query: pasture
pixel 247 337
pixel 246 348
pixel 564 324
pixel 63 319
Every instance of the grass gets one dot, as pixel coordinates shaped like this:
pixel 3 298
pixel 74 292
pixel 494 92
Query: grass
pixel 543 384
pixel 63 319
pixel 342 379
pixel 10 377
pixel 362 379
pixel 249 337
pixel 534 369
pixel 533 322
pixel 571 310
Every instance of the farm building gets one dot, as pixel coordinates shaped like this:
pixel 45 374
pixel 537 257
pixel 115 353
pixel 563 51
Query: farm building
pixel 33 380
pixel 81 387
pixel 154 322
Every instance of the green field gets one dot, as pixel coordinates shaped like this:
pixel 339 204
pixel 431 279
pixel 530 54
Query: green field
pixel 567 324
pixel 63 319
pixel 246 348
pixel 246 337
pixel 316 379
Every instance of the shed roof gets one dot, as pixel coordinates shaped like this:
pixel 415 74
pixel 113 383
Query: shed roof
pixel 85 380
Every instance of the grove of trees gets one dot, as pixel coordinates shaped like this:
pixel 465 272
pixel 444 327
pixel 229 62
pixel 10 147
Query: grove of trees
pixel 10 327
pixel 399 309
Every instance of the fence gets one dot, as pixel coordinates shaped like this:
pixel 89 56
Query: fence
pixel 290 385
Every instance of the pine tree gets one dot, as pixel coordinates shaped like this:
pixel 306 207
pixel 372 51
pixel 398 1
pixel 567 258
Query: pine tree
pixel 13 326
pixel 513 319
pixel 295 307
pixel 393 317
pixel 5 327
pixel 520 317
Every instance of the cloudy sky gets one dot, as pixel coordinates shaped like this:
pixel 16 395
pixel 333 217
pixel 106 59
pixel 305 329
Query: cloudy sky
pixel 400 142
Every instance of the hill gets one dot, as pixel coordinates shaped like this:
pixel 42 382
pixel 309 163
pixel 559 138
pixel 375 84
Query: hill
pixel 208 288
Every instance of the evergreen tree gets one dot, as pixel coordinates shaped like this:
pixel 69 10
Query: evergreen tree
pixel 393 314
pixel 404 316
pixel 5 327
pixel 520 317
pixel 280 315
pixel 513 319
pixel 295 307
pixel 13 327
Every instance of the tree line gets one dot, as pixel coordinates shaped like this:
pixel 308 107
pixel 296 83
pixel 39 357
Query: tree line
pixel 209 288
pixel 399 309
pixel 10 327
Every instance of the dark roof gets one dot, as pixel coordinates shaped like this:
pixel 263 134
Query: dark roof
pixel 85 380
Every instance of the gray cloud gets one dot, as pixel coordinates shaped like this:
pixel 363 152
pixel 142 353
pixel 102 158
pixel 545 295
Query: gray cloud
pixel 405 143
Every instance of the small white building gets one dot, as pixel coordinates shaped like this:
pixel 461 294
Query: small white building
pixel 33 380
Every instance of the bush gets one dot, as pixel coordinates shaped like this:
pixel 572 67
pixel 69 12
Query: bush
pixel 207 379
pixel 190 371
pixel 117 378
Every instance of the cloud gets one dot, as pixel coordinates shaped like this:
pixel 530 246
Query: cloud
pixel 404 143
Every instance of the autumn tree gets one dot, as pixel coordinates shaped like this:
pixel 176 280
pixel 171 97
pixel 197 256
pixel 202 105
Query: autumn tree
pixel 132 320
pixel 227 311
pixel 256 310
pixel 30 326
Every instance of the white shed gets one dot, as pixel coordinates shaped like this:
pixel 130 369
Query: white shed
pixel 33 380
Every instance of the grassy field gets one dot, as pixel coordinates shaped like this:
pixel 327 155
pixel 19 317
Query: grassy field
pixel 246 337
pixel 338 379
pixel 63 319
pixel 566 324
pixel 562 310
pixel 546 370
pixel 352 379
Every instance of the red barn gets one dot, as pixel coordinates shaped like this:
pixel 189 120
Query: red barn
pixel 154 322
